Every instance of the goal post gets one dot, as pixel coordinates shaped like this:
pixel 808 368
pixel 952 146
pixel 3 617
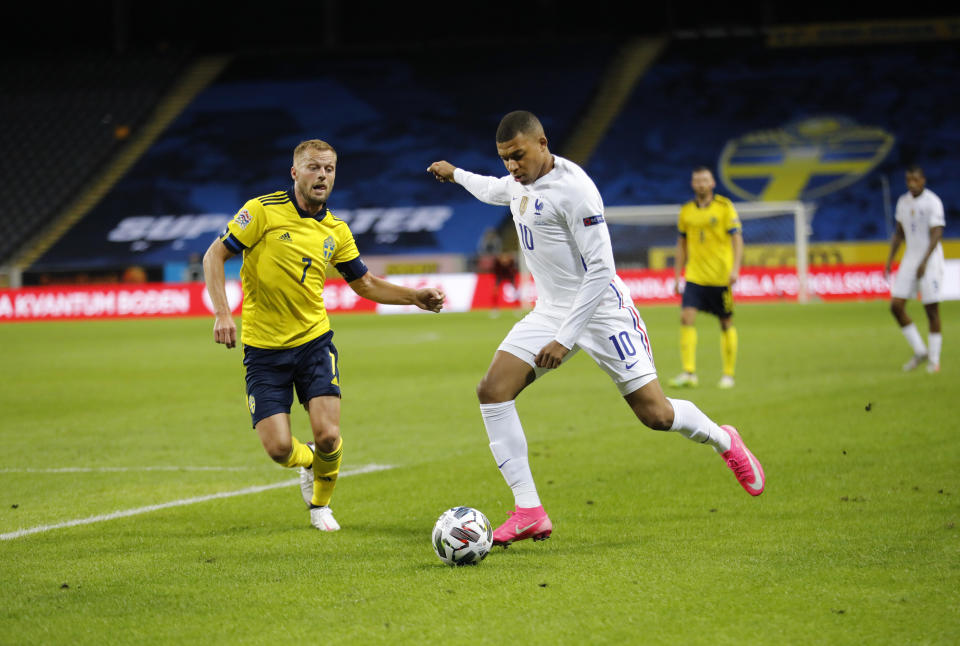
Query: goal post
pixel 788 222
pixel 639 232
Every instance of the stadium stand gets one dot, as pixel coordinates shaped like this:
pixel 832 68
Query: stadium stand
pixel 61 119
pixel 831 104
pixel 388 117
pixel 869 109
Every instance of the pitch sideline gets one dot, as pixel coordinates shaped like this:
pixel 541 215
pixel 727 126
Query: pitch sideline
pixel 124 513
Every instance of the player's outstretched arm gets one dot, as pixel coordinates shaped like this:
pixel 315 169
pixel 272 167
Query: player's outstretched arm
pixel 492 190
pixel 381 291
pixel 224 328
pixel 442 171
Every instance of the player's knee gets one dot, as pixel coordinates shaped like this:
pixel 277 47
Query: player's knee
pixel 489 392
pixel 327 438
pixel 278 450
pixel 485 392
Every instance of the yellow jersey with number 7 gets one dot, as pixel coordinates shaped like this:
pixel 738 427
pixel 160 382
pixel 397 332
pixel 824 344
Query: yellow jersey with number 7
pixel 286 252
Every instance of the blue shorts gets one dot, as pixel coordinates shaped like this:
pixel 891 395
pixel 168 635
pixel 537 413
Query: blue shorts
pixel 715 299
pixel 312 369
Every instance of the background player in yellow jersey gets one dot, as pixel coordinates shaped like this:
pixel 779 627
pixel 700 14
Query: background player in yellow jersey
pixel 287 239
pixel 710 246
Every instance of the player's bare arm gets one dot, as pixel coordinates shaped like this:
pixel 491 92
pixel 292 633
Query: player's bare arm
pixel 895 243
pixel 936 234
pixel 224 327
pixel 679 262
pixel 442 171
pixel 736 240
pixel 379 290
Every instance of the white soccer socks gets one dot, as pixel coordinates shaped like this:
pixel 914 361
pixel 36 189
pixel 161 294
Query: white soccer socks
pixel 934 342
pixel 690 422
pixel 509 447
pixel 912 335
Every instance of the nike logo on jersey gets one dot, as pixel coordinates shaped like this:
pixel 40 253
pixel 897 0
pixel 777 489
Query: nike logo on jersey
pixel 500 466
pixel 630 365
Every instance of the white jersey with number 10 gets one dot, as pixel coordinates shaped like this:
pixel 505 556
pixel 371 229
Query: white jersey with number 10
pixel 564 239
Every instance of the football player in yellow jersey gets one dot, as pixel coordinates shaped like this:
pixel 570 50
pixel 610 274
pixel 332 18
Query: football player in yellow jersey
pixel 710 246
pixel 287 240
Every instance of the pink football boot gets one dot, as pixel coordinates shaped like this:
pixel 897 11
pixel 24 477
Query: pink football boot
pixel 744 465
pixel 524 522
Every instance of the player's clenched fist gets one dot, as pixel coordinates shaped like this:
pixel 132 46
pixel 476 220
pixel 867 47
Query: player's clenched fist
pixel 225 331
pixel 430 299
pixel 442 171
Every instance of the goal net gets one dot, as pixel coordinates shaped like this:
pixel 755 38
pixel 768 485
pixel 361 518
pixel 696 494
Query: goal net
pixel 775 234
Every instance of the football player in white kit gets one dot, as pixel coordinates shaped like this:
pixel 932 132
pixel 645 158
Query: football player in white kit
pixel 581 304
pixel 920 222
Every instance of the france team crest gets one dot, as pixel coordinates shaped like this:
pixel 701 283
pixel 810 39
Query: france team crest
pixel 802 160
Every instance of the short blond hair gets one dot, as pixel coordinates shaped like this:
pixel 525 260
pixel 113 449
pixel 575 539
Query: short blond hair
pixel 311 144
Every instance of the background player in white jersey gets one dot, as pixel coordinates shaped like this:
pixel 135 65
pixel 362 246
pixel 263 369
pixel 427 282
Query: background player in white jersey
pixel 920 222
pixel 581 303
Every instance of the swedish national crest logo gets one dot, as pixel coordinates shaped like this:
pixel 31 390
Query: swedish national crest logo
pixel 803 160
pixel 328 248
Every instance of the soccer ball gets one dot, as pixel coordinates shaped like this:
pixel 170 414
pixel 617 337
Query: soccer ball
pixel 462 536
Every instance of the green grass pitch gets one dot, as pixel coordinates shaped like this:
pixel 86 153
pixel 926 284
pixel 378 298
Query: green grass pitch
pixel 855 541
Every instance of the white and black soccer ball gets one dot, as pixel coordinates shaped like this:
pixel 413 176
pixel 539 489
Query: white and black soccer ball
pixel 462 536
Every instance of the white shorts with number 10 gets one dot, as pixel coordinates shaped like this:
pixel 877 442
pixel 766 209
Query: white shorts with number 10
pixel 616 340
